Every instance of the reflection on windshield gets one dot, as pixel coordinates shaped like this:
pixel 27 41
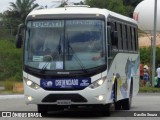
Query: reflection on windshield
pixel 74 45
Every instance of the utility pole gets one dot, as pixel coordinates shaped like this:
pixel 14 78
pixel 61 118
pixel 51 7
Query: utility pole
pixel 154 41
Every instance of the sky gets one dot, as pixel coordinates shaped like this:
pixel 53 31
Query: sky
pixel 4 4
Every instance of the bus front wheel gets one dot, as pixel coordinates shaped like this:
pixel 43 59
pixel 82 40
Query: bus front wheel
pixel 106 110
pixel 43 109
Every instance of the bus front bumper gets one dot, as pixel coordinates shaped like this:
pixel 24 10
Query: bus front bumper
pixel 99 95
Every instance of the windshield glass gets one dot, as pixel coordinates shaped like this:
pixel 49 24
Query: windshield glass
pixel 65 44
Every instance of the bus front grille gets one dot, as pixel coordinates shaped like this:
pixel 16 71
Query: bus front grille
pixel 72 97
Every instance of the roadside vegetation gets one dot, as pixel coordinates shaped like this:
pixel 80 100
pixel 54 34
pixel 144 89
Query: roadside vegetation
pixel 11 66
pixel 11 58
pixel 18 10
pixel 10 61
pixel 147 89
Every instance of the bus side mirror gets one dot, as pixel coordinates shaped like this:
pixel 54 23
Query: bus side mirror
pixel 19 36
pixel 114 38
pixel 18 41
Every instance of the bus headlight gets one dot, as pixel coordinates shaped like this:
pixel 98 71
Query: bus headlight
pixel 97 83
pixel 100 97
pixel 31 84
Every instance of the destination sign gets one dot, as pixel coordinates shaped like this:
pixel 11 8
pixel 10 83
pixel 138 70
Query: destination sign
pixel 60 23
pixel 83 22
pixel 48 24
pixel 65 83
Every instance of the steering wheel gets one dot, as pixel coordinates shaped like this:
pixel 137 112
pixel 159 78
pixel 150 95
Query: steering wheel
pixel 47 58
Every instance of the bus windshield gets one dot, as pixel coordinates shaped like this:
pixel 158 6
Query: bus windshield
pixel 65 44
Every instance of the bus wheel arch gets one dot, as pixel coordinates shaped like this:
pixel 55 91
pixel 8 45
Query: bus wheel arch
pixel 117 104
pixel 126 103
pixel 115 91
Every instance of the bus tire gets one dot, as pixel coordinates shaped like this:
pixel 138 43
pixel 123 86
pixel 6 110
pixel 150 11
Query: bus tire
pixel 43 109
pixel 115 92
pixel 117 104
pixel 127 102
pixel 106 110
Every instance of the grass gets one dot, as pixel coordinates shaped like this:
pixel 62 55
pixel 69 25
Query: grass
pixel 147 89
pixel 5 92
pixel 8 85
pixel 10 61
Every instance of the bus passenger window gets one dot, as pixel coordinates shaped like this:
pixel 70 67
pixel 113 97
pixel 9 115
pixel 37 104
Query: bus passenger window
pixel 109 40
pixel 119 36
pixel 114 37
pixel 113 34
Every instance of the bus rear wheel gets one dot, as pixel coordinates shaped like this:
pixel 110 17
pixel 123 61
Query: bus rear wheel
pixel 126 104
pixel 118 105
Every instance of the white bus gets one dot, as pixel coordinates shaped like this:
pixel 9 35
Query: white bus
pixel 79 56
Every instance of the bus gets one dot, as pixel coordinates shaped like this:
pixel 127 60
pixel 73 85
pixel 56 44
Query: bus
pixel 77 56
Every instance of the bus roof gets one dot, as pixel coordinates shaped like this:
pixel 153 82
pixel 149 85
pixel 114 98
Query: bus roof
pixel 80 10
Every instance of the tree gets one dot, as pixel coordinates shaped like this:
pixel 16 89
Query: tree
pixel 17 13
pixel 97 3
pixel 80 3
pixel 144 55
pixel 63 3
pixel 22 8
pixel 1 17
pixel 66 2
pixel 113 5
pixel 132 3
pixel 118 7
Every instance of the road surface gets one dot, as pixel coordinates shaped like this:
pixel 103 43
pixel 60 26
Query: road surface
pixel 141 103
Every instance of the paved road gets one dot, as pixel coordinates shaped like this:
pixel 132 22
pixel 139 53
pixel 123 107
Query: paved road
pixel 142 102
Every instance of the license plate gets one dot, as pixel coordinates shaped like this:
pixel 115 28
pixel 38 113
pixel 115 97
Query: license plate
pixel 63 102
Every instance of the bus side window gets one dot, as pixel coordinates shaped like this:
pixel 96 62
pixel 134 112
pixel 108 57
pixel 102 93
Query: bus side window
pixel 109 41
pixel 133 39
pixel 136 39
pixel 119 36
pixel 124 37
pixel 129 38
pixel 114 35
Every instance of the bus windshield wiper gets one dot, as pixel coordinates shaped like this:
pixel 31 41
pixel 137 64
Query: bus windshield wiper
pixel 76 57
pixel 44 67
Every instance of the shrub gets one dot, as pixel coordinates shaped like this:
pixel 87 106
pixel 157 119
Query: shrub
pixel 9 85
pixel 146 55
pixel 10 61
